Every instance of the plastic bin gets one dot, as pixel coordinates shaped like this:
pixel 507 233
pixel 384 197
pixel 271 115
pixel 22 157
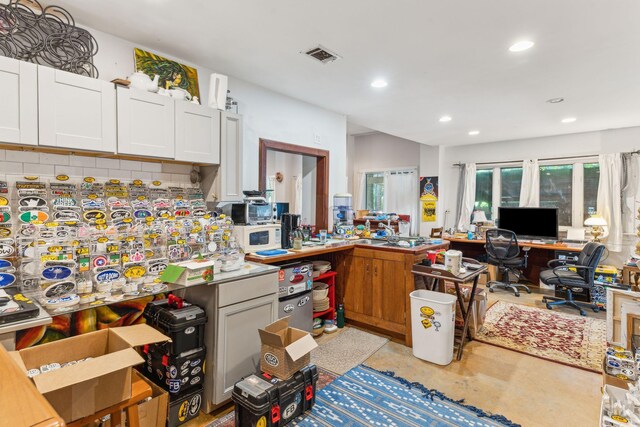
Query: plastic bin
pixel 175 373
pixel 184 407
pixel 433 325
pixel 184 325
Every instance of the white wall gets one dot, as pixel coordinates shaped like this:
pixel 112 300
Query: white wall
pixel 289 165
pixel 266 114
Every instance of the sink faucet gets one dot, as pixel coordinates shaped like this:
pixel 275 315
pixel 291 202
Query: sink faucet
pixel 388 228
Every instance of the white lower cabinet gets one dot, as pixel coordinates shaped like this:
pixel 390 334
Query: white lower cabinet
pixel 197 133
pixel 145 124
pixel 19 102
pixel 235 311
pixel 76 112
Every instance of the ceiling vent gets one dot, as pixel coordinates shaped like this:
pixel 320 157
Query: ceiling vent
pixel 321 54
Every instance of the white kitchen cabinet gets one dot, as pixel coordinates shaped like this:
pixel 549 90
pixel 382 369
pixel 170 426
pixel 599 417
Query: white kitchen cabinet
pixel 19 105
pixel 229 178
pixel 76 112
pixel 238 343
pixel 146 124
pixel 197 133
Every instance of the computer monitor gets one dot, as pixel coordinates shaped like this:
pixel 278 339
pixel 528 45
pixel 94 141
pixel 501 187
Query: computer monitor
pixel 531 223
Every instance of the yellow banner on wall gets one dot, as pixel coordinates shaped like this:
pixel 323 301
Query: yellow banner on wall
pixel 429 211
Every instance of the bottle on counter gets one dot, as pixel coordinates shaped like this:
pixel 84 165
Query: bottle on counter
pixel 340 316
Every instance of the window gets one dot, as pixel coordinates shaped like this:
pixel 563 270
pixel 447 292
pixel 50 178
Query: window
pixel 484 191
pixel 572 188
pixel 510 183
pixel 590 195
pixel 375 191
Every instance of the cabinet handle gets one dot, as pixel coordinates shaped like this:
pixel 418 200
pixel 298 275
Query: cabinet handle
pixel 375 270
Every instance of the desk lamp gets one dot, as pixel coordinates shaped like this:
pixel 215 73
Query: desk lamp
pixel 596 222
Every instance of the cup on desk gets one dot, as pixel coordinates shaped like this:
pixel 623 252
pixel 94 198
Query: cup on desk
pixel 431 255
pixel 323 236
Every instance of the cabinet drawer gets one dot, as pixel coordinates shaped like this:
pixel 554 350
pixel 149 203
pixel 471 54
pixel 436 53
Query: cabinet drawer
pixel 245 289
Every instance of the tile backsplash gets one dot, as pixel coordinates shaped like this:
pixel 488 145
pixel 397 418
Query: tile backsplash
pixel 15 164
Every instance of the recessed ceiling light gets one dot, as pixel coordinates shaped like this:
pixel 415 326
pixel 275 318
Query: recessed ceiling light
pixel 474 132
pixel 379 83
pixel 445 119
pixel 568 120
pixel 555 100
pixel 521 45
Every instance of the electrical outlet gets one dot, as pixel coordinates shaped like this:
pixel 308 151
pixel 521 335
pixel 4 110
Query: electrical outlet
pixel 316 138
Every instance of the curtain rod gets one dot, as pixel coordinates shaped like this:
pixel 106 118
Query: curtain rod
pixel 545 159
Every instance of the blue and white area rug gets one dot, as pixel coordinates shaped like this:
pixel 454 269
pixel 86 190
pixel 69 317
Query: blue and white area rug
pixel 366 397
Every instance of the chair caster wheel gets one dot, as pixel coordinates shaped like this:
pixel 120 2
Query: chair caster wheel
pixel 490 289
pixel 596 309
pixel 528 291
pixel 517 294
pixel 583 313
pixel 549 306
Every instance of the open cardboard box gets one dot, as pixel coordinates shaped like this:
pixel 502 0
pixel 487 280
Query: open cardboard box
pixel 285 350
pixel 612 380
pixel 79 390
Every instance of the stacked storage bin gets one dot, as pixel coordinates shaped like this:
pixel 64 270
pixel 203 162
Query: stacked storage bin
pixel 177 366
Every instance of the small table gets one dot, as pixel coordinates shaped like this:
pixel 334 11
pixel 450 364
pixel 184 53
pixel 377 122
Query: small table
pixel 441 274
pixel 629 273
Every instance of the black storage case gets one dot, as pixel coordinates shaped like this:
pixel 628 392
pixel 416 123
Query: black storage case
pixel 184 407
pixel 184 325
pixel 174 373
pixel 266 401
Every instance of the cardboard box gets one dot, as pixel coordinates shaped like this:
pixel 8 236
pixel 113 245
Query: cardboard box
pixel 82 389
pixel 153 413
pixel 612 380
pixel 285 350
pixel 193 272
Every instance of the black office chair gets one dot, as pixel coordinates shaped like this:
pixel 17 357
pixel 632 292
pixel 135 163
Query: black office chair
pixel 561 277
pixel 503 251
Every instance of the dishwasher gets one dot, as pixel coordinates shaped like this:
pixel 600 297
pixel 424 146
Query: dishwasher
pixel 295 288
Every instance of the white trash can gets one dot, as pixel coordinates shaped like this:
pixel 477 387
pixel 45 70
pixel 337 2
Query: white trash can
pixel 433 325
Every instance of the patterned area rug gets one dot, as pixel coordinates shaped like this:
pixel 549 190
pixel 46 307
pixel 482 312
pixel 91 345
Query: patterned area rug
pixel 564 338
pixel 366 397
pixel 347 350
pixel 229 420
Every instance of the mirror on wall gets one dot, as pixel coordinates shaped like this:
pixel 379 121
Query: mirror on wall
pixel 299 176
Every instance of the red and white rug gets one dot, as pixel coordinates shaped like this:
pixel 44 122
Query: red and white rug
pixel 564 338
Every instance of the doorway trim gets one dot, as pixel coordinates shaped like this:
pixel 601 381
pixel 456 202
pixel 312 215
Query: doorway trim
pixel 322 173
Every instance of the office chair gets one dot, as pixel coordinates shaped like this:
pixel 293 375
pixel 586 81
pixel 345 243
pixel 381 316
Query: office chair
pixel 580 276
pixel 503 251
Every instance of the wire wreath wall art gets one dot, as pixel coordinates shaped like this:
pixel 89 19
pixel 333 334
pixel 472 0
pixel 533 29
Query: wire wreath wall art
pixel 46 36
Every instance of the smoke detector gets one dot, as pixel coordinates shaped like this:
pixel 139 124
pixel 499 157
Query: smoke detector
pixel 321 54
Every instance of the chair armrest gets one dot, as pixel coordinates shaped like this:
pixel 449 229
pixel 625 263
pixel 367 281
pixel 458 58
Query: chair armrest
pixel 551 263
pixel 567 266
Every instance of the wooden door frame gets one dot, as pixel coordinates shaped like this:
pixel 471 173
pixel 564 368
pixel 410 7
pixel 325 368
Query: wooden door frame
pixel 322 173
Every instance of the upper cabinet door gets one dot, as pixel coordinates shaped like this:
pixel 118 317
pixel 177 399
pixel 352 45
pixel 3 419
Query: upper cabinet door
pixel 19 102
pixel 197 133
pixel 76 112
pixel 146 124
pixel 230 172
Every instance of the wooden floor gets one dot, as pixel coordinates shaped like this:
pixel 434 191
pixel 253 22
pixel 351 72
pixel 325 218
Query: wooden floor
pixel 528 390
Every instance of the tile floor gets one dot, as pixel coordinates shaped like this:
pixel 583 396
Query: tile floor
pixel 528 390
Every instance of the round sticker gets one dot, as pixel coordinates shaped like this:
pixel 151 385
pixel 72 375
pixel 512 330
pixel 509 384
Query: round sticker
pixel 142 213
pixel 5 232
pixel 93 215
pixel 114 181
pixel 183 411
pixel 6 250
pixel 33 217
pixel 108 275
pixel 7 279
pixel 4 201
pixel 62 178
pixel 262 422
pixel 135 272
pixel 100 261
pixel 59 289
pixel 5 264
pixel 56 272
pixel 157 183
pixel 271 359
pixel 427 311
pixel 66 215
pixel 89 179
pixel 5 216
pixel 137 182
pixel 32 202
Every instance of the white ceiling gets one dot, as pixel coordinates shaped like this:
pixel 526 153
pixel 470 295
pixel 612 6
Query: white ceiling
pixel 439 57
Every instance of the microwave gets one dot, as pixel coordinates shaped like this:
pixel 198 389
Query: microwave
pixel 250 213
pixel 254 238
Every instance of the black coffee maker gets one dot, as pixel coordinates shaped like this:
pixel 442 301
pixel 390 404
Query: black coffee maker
pixel 290 223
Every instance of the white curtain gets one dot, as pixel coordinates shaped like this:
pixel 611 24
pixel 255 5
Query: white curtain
pixel 297 195
pixel 360 191
pixel 468 197
pixel 401 195
pixel 610 197
pixel 530 187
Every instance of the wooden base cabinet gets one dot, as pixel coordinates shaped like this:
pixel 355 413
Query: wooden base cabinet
pixel 373 290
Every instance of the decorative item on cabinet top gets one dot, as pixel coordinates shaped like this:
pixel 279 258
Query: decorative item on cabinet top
pixel 173 75
pixel 46 36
